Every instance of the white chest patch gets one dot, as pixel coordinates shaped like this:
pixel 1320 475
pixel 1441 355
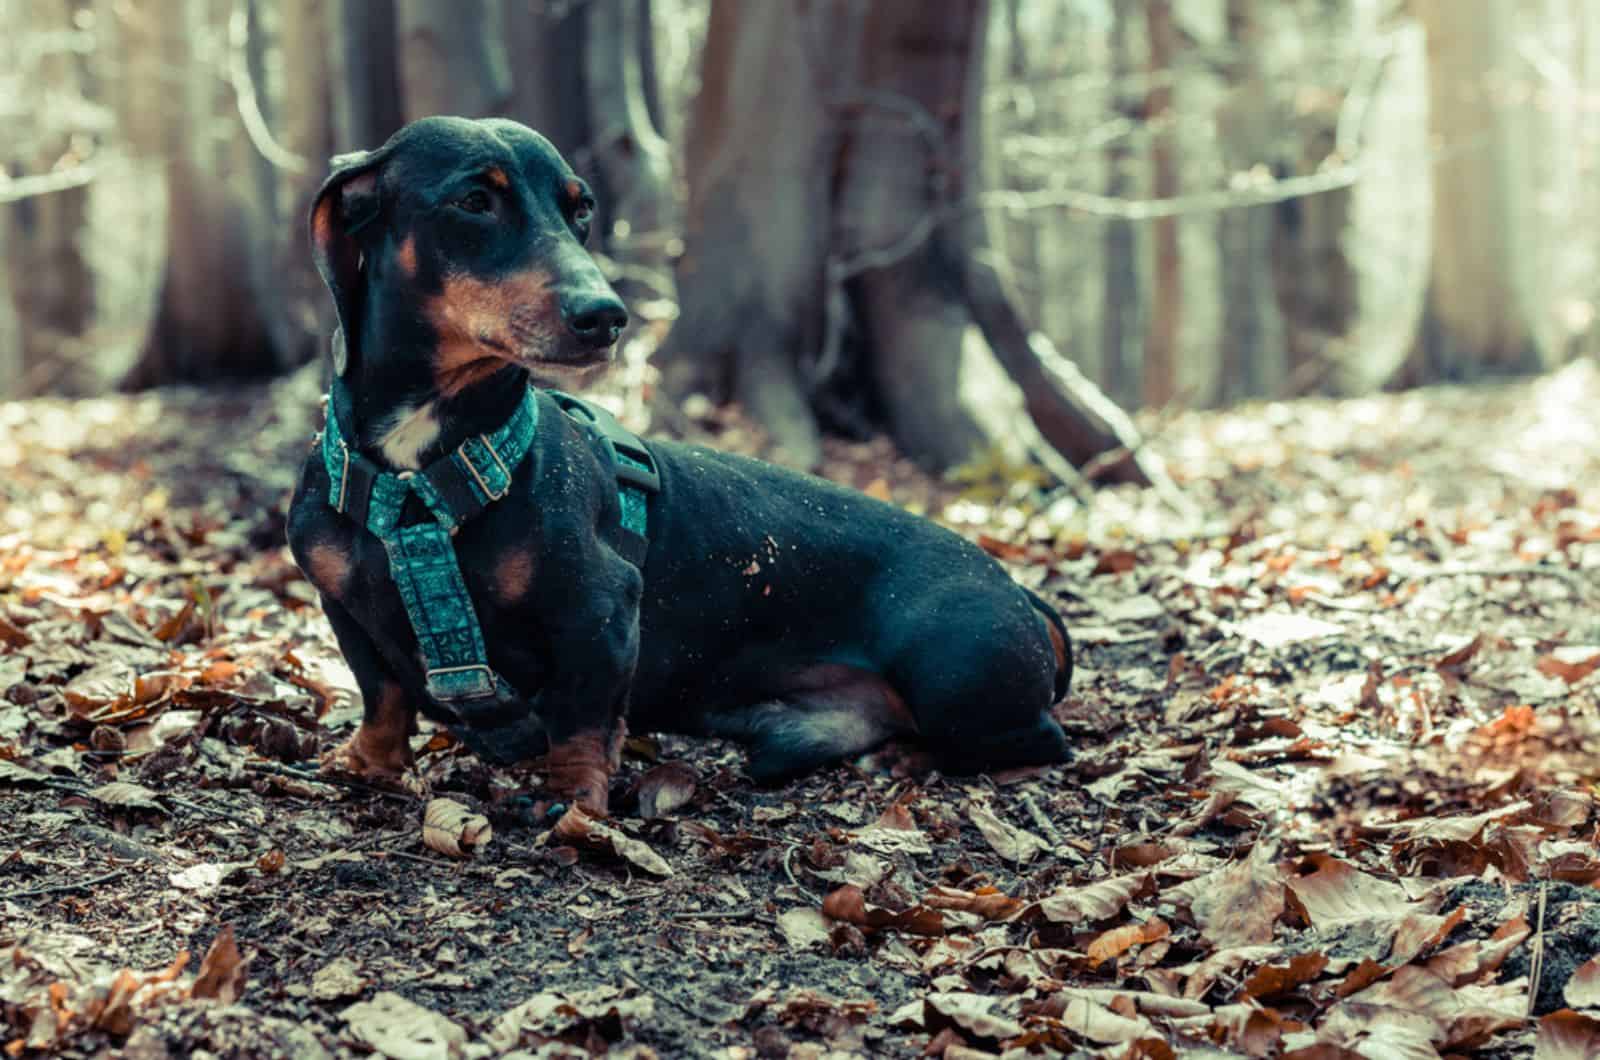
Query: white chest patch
pixel 413 430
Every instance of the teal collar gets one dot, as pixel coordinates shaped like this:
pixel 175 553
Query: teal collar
pixel 453 489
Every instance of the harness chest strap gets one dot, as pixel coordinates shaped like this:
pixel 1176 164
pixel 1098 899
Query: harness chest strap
pixel 453 489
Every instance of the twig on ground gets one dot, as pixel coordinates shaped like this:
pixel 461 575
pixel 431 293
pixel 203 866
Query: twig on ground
pixel 1536 963
pixel 632 977
pixel 789 872
pixel 311 777
pixel 1042 820
pixel 60 887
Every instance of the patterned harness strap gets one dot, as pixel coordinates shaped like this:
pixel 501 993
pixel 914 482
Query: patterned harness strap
pixel 453 489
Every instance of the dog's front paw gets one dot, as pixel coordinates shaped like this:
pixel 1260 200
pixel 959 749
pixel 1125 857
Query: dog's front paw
pixel 580 771
pixel 380 763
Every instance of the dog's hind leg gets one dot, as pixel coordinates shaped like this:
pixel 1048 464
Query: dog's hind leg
pixel 828 713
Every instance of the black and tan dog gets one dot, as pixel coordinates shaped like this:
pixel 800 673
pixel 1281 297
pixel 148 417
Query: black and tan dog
pixel 805 619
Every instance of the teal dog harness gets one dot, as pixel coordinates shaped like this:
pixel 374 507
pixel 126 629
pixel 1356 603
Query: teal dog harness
pixel 452 490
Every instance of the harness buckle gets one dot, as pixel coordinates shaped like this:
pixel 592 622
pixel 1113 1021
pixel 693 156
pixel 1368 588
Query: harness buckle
pixel 450 683
pixel 505 472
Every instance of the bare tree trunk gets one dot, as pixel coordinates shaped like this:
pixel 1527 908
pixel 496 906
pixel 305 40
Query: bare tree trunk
pixel 51 284
pixel 452 58
pixel 363 67
pixel 1252 329
pixel 1121 322
pixel 806 179
pixel 945 397
pixel 306 128
pixel 207 325
pixel 759 163
pixel 1161 341
pixel 1477 318
pixel 637 210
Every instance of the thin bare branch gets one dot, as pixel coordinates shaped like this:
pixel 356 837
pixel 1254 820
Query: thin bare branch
pixel 244 91
pixel 14 189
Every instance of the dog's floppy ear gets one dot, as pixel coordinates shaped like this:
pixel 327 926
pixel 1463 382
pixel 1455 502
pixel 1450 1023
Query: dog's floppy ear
pixel 347 201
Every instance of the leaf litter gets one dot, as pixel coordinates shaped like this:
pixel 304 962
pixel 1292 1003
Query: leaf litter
pixel 1333 791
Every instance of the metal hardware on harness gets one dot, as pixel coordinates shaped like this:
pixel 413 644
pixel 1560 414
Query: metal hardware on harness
pixel 453 489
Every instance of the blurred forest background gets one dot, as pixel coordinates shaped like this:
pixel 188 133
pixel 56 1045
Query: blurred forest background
pixel 848 214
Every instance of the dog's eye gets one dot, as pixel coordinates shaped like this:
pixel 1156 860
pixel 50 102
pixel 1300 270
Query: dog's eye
pixel 475 201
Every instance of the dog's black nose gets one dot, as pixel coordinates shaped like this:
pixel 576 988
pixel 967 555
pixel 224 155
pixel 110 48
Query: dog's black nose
pixel 595 317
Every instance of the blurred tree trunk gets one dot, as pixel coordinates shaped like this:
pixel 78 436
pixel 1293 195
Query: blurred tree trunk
pixel 51 285
pixel 452 58
pixel 1251 364
pixel 585 79
pixel 832 157
pixel 1121 320
pixel 363 69
pixel 281 160
pixel 208 323
pixel 1166 297
pixel 1478 316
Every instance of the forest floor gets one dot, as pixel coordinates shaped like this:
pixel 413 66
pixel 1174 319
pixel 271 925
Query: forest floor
pixel 1333 793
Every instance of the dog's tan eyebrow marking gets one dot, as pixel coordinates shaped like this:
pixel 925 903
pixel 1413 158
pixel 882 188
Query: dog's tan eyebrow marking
pixel 497 176
pixel 574 190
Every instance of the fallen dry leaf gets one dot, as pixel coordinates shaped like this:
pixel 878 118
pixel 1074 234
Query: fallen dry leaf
pixel 1239 904
pixel 1583 989
pixel 1092 902
pixel 401 1029
pixel 222 970
pixel 580 829
pixel 452 829
pixel 803 928
pixel 1117 941
pixel 850 905
pixel 126 795
pixel 666 788
pixel 1010 842
pixel 1567 1035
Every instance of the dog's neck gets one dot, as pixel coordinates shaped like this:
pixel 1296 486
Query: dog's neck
pixel 389 404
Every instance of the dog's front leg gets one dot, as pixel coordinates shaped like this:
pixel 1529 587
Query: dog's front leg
pixel 585 707
pixel 380 750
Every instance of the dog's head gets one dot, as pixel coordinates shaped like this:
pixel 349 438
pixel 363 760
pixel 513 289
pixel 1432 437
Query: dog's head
pixel 470 234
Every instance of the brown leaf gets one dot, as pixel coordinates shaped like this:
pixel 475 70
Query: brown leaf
pixel 222 970
pixel 1553 665
pixel 1338 891
pixel 985 902
pixel 1117 941
pixel 1567 1035
pixel 1238 904
pixel 578 828
pixel 1010 842
pixel 1466 1016
pixel 454 830
pixel 850 905
pixel 666 788
pixel 1457 659
pixel 1092 902
pixel 1271 980
pixel 1583 989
